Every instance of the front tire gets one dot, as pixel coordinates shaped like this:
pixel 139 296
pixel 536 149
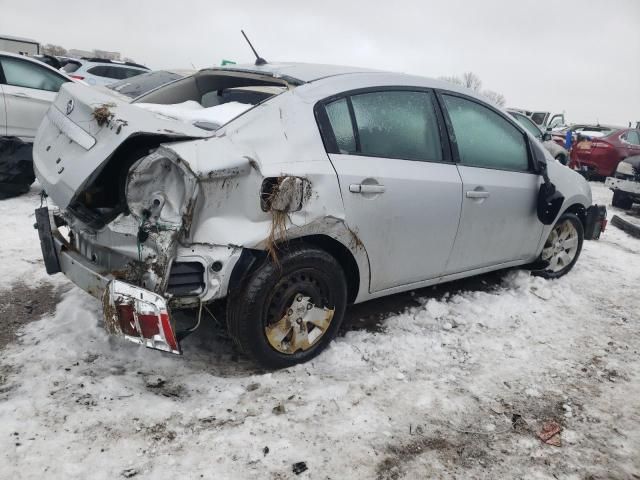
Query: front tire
pixel 288 313
pixel 563 246
pixel 621 200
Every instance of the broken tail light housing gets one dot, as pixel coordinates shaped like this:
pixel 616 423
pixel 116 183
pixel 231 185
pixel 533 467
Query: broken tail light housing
pixel 139 315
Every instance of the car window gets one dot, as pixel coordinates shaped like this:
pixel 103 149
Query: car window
pixel 484 138
pixel 71 66
pixel 633 137
pixel 338 113
pixel 143 83
pixel 101 71
pixel 528 125
pixel 397 124
pixel 132 72
pixel 538 117
pixel 25 74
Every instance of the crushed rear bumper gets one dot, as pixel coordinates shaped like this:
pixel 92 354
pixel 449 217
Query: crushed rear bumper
pixel 132 312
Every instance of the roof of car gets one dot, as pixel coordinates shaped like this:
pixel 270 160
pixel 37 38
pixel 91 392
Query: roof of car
pixel 37 62
pixel 303 72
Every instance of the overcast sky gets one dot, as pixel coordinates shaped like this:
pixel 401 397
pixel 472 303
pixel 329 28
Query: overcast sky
pixel 577 56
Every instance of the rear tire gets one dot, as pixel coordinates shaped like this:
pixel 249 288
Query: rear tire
pixel 621 200
pixel 269 297
pixel 563 247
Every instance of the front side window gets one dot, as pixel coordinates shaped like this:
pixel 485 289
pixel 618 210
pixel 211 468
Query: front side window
pixel 20 73
pixel 484 138
pixel 528 125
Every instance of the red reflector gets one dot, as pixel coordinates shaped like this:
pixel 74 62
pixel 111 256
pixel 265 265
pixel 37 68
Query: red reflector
pixel 77 77
pixel 148 325
pixel 127 321
pixel 604 224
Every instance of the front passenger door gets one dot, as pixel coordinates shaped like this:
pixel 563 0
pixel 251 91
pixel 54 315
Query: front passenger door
pixel 499 222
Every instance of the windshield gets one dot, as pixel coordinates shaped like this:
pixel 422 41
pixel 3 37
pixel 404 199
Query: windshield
pixel 141 84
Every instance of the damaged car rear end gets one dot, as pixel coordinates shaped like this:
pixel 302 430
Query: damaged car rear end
pixel 128 183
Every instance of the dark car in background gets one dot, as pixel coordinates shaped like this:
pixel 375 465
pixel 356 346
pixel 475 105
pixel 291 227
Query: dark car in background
pixel 598 150
pixel 140 84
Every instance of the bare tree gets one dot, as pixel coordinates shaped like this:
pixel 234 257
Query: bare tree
pixel 50 49
pixel 472 81
pixel 495 97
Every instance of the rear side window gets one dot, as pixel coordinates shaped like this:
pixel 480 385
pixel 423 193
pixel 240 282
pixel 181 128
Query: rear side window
pixel 71 66
pixel 391 124
pixel 338 113
pixel 101 71
pixel 20 73
pixel 484 138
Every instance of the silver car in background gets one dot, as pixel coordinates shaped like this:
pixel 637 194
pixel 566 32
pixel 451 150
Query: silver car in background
pixel 327 186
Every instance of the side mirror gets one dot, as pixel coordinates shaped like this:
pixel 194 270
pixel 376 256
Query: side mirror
pixel 546 136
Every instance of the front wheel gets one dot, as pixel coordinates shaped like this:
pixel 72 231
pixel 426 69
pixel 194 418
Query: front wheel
pixel 563 246
pixel 287 313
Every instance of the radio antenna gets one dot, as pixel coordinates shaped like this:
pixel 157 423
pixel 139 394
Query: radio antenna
pixel 259 59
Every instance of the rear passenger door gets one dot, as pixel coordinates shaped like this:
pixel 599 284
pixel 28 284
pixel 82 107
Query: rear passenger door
pixel 28 90
pixel 401 192
pixel 499 220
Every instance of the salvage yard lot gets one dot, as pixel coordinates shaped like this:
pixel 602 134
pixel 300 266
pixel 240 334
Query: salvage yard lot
pixel 453 381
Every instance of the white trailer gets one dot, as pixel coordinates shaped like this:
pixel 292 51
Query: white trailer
pixel 22 46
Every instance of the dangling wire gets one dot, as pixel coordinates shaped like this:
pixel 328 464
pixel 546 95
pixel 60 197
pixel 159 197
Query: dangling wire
pixel 197 324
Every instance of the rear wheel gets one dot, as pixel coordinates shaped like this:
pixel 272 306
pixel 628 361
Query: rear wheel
pixel 288 313
pixel 563 246
pixel 621 200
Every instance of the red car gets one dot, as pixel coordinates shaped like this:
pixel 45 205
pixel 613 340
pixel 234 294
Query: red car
pixel 598 152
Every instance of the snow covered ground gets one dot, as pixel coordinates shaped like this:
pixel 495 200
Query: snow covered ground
pixel 458 384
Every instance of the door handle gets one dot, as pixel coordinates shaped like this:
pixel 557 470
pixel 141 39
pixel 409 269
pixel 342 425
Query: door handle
pixel 19 94
pixel 364 188
pixel 478 194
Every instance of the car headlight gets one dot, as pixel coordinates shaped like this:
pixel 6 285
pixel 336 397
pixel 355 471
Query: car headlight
pixel 625 168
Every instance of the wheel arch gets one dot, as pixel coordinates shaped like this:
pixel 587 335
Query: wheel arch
pixel 342 254
pixel 579 210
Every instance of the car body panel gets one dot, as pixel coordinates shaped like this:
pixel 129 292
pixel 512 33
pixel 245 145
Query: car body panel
pixel 63 166
pixel 399 217
pixel 509 207
pixel 25 109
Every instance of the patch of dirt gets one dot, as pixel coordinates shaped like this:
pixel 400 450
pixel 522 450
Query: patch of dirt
pixel 22 304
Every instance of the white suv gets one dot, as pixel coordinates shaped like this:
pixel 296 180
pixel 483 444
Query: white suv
pixel 100 71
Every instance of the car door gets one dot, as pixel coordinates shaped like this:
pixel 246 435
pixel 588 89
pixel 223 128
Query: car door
pixel 499 221
pixel 401 192
pixel 28 91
